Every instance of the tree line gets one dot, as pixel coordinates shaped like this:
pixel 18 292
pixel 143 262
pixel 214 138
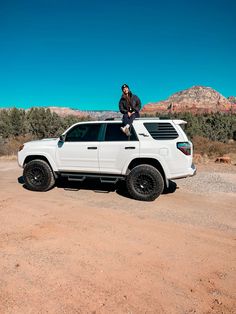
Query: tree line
pixel 213 126
pixel 18 126
pixel 36 122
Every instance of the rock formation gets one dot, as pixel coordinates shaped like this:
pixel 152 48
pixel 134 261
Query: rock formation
pixel 232 99
pixel 197 99
pixel 95 115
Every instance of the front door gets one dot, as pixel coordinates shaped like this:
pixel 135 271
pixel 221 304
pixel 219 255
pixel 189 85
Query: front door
pixel 79 151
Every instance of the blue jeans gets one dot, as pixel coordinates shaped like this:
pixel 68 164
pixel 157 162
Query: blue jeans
pixel 129 120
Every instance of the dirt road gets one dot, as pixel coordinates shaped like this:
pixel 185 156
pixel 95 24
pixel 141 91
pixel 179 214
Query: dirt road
pixel 91 251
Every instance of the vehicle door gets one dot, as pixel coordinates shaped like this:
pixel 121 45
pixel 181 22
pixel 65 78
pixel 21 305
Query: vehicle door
pixel 117 149
pixel 79 151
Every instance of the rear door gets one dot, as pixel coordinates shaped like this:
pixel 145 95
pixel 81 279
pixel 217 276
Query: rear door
pixel 165 137
pixel 117 149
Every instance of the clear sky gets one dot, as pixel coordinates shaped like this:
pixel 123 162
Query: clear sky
pixel 78 53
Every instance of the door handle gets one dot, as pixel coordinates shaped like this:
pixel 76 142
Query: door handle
pixel 145 135
pixel 92 147
pixel 130 147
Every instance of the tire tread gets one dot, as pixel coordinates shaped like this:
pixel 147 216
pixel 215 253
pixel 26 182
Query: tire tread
pixel 156 176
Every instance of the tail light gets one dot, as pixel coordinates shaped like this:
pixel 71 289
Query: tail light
pixel 184 147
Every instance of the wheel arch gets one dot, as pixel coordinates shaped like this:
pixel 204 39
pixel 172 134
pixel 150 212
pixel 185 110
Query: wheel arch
pixel 41 157
pixel 148 161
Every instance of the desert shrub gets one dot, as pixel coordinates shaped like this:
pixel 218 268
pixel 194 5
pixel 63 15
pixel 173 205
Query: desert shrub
pixel 217 127
pixel 206 130
pixel 1 146
pixel 204 146
pixel 18 126
pixel 214 126
pixel 5 123
pixel 36 122
pixel 11 145
pixel 40 122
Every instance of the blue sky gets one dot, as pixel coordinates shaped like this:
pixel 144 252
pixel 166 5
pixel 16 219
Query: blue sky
pixel 78 53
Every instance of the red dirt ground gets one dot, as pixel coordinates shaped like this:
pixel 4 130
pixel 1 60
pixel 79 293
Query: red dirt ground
pixel 87 251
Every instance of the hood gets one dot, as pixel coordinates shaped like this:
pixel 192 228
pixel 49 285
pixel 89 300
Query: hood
pixel 43 142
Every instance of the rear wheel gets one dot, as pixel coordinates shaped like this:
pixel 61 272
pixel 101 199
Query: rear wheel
pixel 145 183
pixel 38 175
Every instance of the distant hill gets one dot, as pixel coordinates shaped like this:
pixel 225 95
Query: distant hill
pixel 98 115
pixel 232 99
pixel 197 99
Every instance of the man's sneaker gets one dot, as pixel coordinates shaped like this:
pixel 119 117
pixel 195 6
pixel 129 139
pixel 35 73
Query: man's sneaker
pixel 125 130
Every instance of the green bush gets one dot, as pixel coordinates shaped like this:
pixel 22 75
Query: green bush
pixel 17 125
pixel 215 126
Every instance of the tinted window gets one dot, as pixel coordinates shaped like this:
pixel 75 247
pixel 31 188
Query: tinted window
pixel 83 133
pixel 161 131
pixel 114 133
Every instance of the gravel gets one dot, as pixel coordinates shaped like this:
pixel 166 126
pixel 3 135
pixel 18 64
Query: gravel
pixel 208 182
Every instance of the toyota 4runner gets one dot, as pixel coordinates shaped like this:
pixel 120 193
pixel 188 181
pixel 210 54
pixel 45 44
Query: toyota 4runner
pixel 156 151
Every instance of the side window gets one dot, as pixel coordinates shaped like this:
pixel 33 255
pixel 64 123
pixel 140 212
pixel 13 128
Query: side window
pixel 161 131
pixel 83 133
pixel 114 133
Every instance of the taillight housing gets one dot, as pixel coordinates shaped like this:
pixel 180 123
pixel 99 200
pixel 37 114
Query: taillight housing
pixel 184 147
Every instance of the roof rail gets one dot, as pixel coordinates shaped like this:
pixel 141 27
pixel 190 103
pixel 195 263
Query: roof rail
pixel 147 118
pixel 142 118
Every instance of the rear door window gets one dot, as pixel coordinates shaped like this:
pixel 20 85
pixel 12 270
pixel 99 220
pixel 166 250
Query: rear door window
pixel 114 133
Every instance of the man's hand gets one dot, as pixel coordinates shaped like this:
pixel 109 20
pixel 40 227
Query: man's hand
pixel 130 114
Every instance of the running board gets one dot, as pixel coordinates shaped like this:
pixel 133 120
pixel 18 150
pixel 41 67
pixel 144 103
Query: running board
pixel 80 177
pixel 109 180
pixel 75 178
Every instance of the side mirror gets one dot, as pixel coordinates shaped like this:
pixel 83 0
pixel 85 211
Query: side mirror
pixel 62 138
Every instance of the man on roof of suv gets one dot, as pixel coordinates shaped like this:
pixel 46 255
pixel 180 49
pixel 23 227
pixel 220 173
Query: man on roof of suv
pixel 129 105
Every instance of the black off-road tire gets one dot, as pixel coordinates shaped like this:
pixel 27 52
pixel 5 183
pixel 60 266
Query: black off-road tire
pixel 38 176
pixel 145 183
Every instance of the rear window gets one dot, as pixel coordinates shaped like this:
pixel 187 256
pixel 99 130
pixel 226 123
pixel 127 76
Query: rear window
pixel 161 131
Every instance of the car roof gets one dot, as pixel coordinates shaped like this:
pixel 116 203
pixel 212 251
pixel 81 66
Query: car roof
pixel 120 120
pixel 136 121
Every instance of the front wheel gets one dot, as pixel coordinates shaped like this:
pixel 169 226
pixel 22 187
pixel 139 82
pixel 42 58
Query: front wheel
pixel 38 175
pixel 145 183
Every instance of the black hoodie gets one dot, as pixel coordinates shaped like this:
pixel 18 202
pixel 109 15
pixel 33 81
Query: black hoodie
pixel 133 106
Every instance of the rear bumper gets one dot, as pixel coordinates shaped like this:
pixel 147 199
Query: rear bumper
pixel 194 169
pixel 189 173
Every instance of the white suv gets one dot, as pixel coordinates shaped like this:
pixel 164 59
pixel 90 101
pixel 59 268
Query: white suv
pixel 155 152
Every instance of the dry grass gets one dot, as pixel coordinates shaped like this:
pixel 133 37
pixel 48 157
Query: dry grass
pixel 204 146
pixel 10 146
pixel 206 150
pixel 8 157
